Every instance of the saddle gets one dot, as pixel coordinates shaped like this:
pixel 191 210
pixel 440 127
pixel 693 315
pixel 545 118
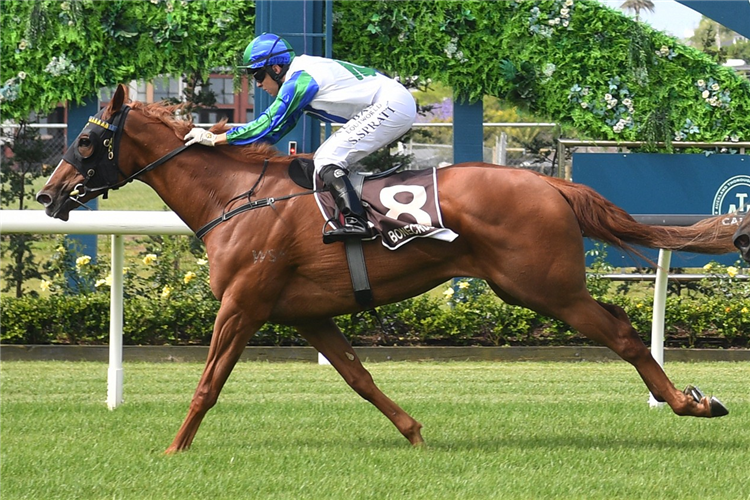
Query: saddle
pixel 399 207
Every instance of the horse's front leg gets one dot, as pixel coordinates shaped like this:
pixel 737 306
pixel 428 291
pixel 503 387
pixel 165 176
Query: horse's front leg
pixel 326 337
pixel 232 329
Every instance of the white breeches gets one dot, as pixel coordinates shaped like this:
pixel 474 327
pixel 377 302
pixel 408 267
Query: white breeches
pixel 388 118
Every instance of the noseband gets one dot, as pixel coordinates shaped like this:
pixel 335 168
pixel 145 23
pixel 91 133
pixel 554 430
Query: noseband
pixel 95 152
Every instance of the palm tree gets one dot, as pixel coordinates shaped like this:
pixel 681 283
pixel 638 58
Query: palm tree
pixel 637 6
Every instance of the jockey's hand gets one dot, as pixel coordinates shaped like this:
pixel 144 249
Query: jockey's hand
pixel 200 136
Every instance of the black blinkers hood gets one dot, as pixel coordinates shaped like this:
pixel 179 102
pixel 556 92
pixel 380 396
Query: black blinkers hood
pixel 100 168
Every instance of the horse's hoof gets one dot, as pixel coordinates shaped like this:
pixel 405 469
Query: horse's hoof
pixel 717 408
pixel 693 391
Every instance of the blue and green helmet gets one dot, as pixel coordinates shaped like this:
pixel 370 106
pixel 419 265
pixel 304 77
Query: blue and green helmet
pixel 265 50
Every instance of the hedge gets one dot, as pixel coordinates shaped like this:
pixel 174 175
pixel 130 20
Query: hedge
pixel 464 319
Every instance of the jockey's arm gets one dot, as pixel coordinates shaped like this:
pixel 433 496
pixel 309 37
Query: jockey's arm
pixel 274 123
pixel 281 116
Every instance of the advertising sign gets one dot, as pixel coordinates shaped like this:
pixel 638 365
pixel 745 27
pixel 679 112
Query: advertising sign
pixel 669 184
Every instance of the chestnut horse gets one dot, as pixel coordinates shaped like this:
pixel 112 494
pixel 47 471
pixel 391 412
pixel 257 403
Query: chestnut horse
pixel 519 231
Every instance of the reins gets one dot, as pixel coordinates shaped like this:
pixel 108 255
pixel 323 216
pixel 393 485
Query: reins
pixel 250 205
pixel 76 193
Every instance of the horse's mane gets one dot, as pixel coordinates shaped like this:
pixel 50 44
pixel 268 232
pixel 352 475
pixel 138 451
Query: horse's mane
pixel 180 121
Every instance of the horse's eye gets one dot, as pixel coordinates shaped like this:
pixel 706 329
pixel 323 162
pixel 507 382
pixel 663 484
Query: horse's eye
pixel 85 147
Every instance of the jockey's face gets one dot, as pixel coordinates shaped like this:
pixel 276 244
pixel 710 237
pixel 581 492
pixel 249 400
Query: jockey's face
pixel 269 84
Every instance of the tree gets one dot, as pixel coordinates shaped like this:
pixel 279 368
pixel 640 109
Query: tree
pixel 740 50
pixel 706 39
pixel 637 6
pixel 719 41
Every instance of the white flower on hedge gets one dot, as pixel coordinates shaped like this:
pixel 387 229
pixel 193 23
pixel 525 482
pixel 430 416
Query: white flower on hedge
pixel 22 75
pixel 451 50
pixel 564 12
pixel 45 285
pixel 201 262
pixel 463 285
pixel 166 291
pixel 59 66
pixel 449 293
pixel 706 94
pixel 584 105
pixel 715 86
pixel 23 44
pixel 568 3
pixel 149 259
pixel 701 83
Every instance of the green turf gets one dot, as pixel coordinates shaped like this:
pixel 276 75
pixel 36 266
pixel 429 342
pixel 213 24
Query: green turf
pixel 295 431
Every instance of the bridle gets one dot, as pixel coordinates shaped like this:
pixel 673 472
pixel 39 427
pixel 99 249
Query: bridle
pixel 95 152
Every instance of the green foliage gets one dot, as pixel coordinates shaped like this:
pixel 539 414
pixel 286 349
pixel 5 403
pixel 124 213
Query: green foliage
pixel 66 51
pixel 576 62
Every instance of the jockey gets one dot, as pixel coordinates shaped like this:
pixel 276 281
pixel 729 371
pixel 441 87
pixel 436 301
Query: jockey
pixel 375 110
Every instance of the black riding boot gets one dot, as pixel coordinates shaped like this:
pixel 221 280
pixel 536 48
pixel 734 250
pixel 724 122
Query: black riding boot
pixel 348 203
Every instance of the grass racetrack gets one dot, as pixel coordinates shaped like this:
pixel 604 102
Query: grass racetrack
pixel 296 431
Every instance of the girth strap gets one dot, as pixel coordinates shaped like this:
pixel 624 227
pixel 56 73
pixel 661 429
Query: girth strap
pixel 355 257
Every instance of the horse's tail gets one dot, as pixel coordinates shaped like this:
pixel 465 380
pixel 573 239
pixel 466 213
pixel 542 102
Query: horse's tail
pixel 602 220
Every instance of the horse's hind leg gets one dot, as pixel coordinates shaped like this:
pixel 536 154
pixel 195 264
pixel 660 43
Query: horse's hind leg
pixel 232 329
pixel 326 337
pixel 610 325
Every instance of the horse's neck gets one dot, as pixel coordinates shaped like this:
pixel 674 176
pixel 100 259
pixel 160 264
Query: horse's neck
pixel 198 188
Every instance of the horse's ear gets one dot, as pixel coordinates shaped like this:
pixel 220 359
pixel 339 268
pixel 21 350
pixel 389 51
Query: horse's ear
pixel 118 99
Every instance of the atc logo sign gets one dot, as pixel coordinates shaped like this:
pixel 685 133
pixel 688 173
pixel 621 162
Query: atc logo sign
pixel 733 196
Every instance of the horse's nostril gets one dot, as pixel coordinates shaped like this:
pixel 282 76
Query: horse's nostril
pixel 742 241
pixel 44 199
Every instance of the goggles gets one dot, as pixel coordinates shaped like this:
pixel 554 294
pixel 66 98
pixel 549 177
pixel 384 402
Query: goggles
pixel 258 73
